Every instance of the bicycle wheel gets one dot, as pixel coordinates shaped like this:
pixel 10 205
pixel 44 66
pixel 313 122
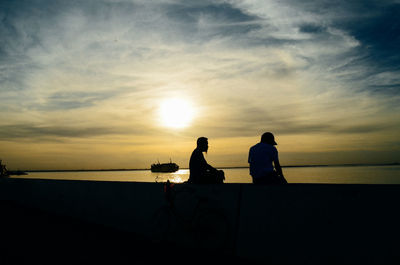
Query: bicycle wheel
pixel 160 225
pixel 211 230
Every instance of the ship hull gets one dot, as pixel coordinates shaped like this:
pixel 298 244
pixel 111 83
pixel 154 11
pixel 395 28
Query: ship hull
pixel 167 167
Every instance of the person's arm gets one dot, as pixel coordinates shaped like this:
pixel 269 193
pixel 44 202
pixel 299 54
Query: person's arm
pixel 249 157
pixel 278 167
pixel 205 165
pixel 210 168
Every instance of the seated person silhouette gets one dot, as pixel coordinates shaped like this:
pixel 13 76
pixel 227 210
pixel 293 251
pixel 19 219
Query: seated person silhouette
pixel 200 171
pixel 264 162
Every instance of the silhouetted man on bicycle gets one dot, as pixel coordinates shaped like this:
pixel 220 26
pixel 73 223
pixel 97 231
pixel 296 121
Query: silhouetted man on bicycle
pixel 200 171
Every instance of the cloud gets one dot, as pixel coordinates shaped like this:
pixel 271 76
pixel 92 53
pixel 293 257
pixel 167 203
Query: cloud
pixel 44 133
pixel 101 68
pixel 19 131
pixel 375 27
pixel 311 28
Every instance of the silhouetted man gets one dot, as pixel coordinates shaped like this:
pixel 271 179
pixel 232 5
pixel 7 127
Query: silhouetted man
pixel 261 157
pixel 200 171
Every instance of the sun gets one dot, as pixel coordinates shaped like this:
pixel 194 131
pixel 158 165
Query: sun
pixel 176 113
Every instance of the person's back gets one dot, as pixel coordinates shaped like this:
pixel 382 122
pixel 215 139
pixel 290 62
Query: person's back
pixel 261 157
pixel 264 162
pixel 197 166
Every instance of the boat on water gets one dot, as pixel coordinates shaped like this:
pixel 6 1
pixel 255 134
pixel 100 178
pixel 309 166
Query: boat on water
pixel 164 167
pixel 4 172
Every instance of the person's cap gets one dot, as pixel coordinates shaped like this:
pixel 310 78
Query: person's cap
pixel 268 138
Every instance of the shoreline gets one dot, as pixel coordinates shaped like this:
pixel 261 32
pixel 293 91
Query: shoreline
pixel 240 167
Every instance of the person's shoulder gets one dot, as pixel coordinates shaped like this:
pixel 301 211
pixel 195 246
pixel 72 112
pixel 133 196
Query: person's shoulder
pixel 254 146
pixel 197 152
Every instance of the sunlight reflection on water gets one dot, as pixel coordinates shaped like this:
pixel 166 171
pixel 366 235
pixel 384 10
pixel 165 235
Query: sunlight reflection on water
pixel 334 174
pixel 176 177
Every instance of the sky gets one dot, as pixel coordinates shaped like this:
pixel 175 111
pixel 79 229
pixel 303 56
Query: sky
pixel 88 84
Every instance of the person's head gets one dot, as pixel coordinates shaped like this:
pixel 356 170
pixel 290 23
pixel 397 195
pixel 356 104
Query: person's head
pixel 202 144
pixel 268 138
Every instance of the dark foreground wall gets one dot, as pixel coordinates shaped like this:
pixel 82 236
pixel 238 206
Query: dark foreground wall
pixel 293 224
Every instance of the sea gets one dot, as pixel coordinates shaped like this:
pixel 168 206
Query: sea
pixel 347 174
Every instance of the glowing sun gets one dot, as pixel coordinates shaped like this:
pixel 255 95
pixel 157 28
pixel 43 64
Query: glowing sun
pixel 176 113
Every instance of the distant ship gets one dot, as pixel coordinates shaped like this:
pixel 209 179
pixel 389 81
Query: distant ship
pixel 4 172
pixel 164 167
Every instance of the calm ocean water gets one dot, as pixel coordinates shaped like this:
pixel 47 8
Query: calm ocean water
pixel 331 174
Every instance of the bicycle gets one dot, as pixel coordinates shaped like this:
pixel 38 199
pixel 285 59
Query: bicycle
pixel 188 218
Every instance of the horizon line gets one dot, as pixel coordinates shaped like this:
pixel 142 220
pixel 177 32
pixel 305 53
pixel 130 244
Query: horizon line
pixel 232 167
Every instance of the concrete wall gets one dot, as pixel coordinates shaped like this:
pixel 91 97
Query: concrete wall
pixel 292 224
pixel 320 224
